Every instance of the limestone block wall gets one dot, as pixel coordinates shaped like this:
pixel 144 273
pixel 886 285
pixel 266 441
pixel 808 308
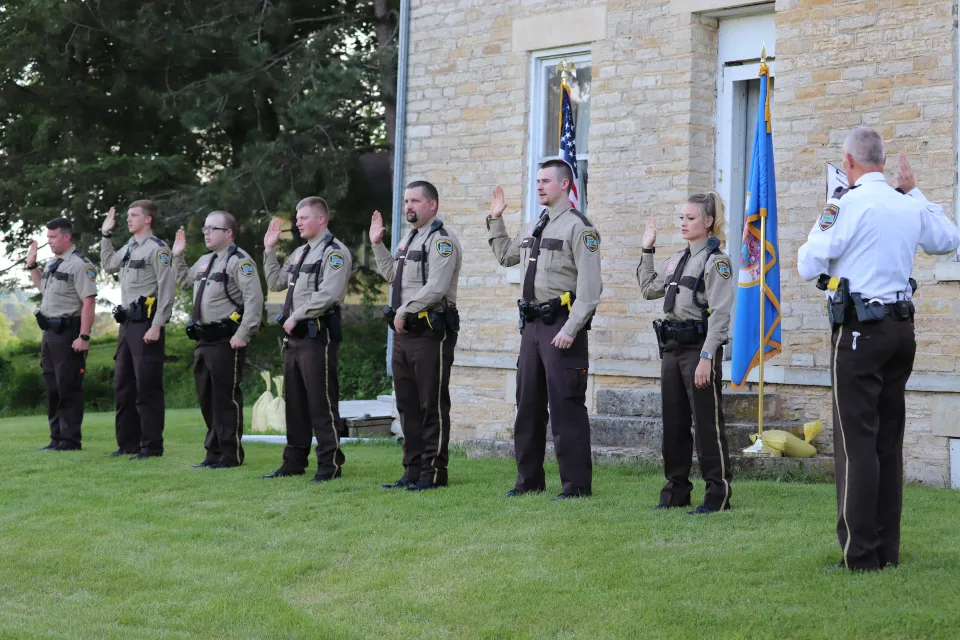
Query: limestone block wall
pixel 890 64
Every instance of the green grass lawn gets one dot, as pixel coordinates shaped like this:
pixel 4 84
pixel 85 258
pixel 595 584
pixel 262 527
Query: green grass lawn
pixel 92 547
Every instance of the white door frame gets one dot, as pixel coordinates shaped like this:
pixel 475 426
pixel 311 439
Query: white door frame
pixel 731 144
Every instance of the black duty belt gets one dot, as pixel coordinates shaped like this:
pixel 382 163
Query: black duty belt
pixel 311 327
pixel 57 325
pixel 439 322
pixel 681 332
pixel 213 331
pixel 140 310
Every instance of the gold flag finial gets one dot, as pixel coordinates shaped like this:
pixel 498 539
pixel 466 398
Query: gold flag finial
pixel 565 70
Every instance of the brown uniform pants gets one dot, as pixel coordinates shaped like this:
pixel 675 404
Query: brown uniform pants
pixel 554 378
pixel 871 365
pixel 421 365
pixel 683 402
pixel 138 389
pixel 312 393
pixel 217 368
pixel 63 378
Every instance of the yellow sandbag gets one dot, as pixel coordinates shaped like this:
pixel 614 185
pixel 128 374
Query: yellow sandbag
pixel 277 409
pixel 812 429
pixel 788 443
pixel 259 423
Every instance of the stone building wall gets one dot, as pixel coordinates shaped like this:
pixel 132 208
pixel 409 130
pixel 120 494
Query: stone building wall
pixel 890 64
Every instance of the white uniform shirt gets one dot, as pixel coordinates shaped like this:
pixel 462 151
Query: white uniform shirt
pixel 871 235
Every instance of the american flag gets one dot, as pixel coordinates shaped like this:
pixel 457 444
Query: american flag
pixel 568 142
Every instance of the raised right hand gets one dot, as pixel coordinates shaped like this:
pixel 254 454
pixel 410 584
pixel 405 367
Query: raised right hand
pixel 110 222
pixel 650 234
pixel 376 228
pixel 499 202
pixel 906 178
pixel 272 236
pixel 32 253
pixel 180 243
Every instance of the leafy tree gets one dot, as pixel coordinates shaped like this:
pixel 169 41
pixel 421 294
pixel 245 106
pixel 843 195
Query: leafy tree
pixel 197 104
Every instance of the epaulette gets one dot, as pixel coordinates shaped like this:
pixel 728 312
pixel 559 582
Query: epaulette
pixel 582 217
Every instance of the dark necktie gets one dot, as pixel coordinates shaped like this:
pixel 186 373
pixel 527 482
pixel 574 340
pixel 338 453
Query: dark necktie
pixel 288 302
pixel 203 285
pixel 398 275
pixel 531 275
pixel 671 296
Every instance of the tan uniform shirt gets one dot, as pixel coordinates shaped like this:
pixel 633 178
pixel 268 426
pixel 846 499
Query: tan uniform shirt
pixel 323 278
pixel 718 293
pixel 232 283
pixel 145 268
pixel 65 282
pixel 569 261
pixel 434 252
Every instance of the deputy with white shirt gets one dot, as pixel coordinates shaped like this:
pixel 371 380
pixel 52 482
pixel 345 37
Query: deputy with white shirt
pixel 868 236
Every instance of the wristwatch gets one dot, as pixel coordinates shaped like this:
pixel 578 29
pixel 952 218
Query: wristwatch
pixel 84 337
pixel 31 267
pixel 706 355
pixel 650 250
pixel 106 235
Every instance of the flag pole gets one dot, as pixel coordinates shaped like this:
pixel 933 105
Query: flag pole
pixel 564 70
pixel 757 447
pixel 763 263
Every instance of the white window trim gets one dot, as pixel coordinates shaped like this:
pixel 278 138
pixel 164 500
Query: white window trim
pixel 535 132
pixel 731 126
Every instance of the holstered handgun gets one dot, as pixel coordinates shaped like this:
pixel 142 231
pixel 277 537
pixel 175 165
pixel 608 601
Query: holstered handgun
pixel 42 320
pixel 658 330
pixel 389 315
pixel 840 304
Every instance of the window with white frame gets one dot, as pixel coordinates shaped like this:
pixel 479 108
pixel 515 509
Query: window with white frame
pixel 738 91
pixel 738 94
pixel 544 134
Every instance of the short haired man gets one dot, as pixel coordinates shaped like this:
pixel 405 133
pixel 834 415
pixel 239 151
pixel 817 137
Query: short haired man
pixel 146 293
pixel 68 290
pixel 226 313
pixel 561 290
pixel 315 277
pixel 424 272
pixel 867 236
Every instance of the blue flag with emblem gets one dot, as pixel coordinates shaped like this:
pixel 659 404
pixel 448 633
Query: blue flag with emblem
pixel 759 248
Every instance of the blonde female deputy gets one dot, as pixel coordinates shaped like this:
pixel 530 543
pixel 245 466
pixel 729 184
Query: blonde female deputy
pixel 698 290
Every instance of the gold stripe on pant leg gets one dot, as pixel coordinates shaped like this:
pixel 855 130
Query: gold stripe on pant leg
pixel 716 423
pixel 433 463
pixel 233 397
pixel 326 390
pixel 843 438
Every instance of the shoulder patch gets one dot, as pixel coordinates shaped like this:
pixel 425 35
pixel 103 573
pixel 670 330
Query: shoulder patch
pixel 723 268
pixel 444 247
pixel 164 256
pixel 91 273
pixel 246 268
pixel 829 216
pixel 590 239
pixel 335 260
